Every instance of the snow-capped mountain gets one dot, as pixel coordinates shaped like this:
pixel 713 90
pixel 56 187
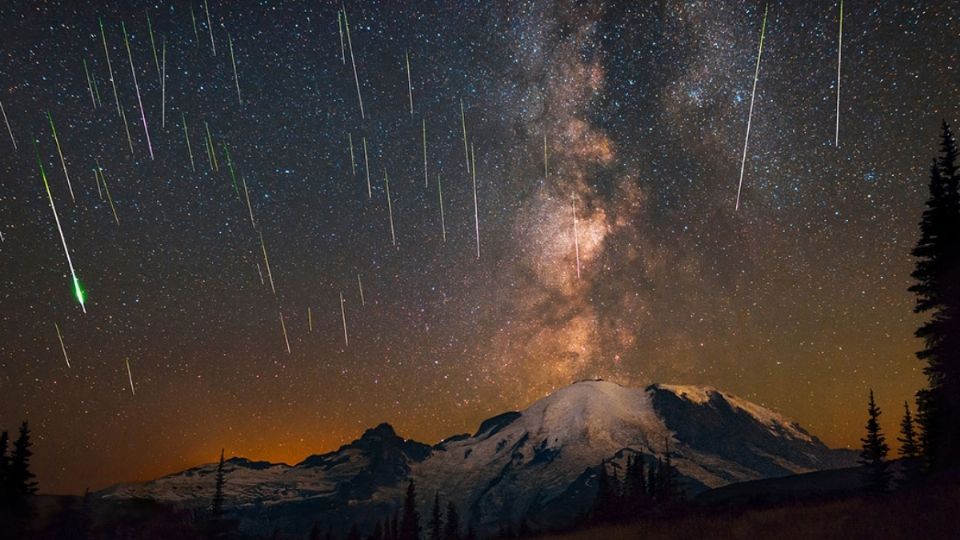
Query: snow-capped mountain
pixel 536 465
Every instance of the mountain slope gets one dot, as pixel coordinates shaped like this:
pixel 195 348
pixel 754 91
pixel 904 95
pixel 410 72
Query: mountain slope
pixel 536 465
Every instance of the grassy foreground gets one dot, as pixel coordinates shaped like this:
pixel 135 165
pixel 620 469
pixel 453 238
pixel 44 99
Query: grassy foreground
pixel 919 512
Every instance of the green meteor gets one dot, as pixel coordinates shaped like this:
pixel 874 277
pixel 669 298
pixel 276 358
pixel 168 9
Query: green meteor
pixel 77 289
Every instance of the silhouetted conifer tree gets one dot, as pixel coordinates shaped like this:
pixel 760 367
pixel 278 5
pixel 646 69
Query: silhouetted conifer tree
pixel 22 484
pixel 377 533
pixel 216 507
pixel 436 519
pixel 908 435
pixel 354 533
pixel 410 522
pixel 395 525
pixel 451 529
pixel 314 532
pixel 873 456
pixel 937 273
pixel 606 502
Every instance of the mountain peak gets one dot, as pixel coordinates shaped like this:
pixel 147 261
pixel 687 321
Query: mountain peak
pixel 382 431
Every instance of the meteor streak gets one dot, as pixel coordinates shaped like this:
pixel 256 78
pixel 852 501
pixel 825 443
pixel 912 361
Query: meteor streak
pixel 353 162
pixel 233 61
pixel 63 162
pixel 143 115
pixel 153 45
pixel 753 95
pixel 106 51
pixel 463 122
pixel 96 89
pixel 163 87
pixel 343 57
pixel 544 158
pixel 360 286
pixel 443 224
pixel 210 148
pixel 426 183
pixel 126 127
pixel 233 175
pixel 366 166
pixel 576 236
pixel 247 195
pixel 107 190
pixel 393 234
pixel 409 83
pixel 77 290
pixel 7 122
pixel 309 319
pixel 476 211
pixel 96 178
pixel 193 18
pixel 266 261
pixel 213 45
pixel 353 62
pixel 130 376
pixel 283 327
pixel 343 315
pixel 186 137
pixel 836 138
pixel 89 83
pixel 62 347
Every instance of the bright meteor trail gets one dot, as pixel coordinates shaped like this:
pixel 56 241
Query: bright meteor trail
pixel 130 376
pixel 283 326
pixel 233 61
pixel 343 316
pixel 353 62
pixel 406 56
pixel 62 347
pixel 77 290
pixel 113 83
pixel 143 115
pixel 7 122
pixel 386 180
pixel 266 261
pixel 576 236
pixel 63 162
pixel 753 95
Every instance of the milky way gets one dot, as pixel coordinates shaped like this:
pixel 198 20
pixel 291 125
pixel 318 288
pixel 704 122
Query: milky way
pixel 797 301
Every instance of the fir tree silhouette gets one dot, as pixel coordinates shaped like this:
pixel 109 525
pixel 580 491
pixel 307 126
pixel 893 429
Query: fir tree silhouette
pixel 354 533
pixel 21 478
pixel 410 522
pixel 873 456
pixel 937 288
pixel 451 529
pixel 314 532
pixel 436 519
pixel 217 525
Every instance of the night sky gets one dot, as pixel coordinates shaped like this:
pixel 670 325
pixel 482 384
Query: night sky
pixel 797 301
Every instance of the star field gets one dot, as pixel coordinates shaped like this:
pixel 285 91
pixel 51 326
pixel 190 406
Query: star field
pixel 797 301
